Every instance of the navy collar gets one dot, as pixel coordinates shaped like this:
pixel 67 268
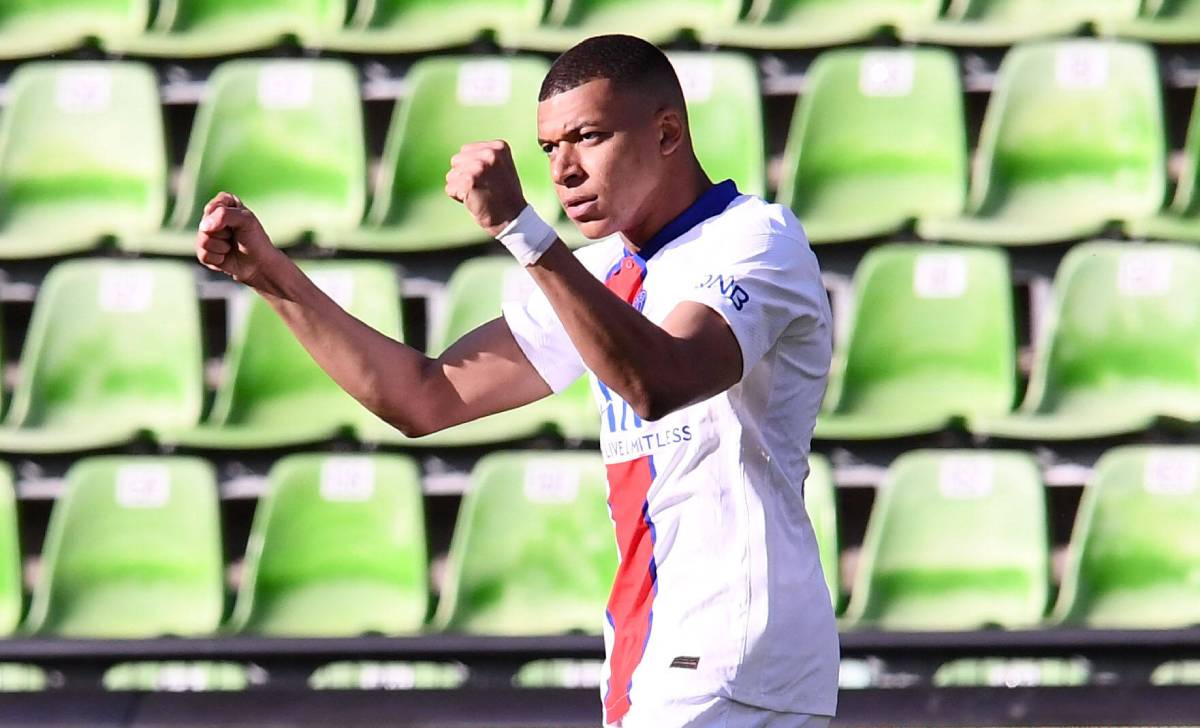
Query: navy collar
pixel 710 204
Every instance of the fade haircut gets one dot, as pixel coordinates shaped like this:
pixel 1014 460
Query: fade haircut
pixel 630 63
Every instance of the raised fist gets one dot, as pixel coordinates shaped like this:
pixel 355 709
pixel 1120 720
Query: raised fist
pixel 484 178
pixel 231 240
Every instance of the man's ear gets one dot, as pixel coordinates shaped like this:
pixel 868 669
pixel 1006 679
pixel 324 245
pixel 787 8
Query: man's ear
pixel 671 131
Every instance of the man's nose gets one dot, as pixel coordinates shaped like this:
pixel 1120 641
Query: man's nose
pixel 565 169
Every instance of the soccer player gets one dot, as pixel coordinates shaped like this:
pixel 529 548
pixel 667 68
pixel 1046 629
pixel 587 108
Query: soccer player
pixel 703 321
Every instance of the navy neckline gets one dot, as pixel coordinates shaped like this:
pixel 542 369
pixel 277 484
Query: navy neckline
pixel 711 203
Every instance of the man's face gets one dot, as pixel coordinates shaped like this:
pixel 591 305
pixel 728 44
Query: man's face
pixel 605 153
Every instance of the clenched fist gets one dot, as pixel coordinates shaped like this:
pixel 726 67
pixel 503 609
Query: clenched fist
pixel 231 240
pixel 484 178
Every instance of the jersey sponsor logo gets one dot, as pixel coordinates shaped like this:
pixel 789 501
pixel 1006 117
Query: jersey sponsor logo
pixel 626 436
pixel 729 287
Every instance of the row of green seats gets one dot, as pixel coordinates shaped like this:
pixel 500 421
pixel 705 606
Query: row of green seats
pixel 189 28
pixel 91 379
pixel 1072 143
pixel 958 540
pixel 337 548
pixel 931 345
pixel 83 160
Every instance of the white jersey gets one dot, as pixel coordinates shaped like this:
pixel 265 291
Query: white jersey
pixel 719 591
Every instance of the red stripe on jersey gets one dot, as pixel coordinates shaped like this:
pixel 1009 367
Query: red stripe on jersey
pixel 630 605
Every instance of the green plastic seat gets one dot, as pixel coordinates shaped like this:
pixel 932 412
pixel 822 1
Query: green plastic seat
pixel 113 351
pixel 374 675
pixel 82 157
pixel 286 136
pixel 1118 349
pixel 410 26
pixel 198 28
pixel 1162 21
pixel 10 558
pixel 1134 555
pixel 725 116
pixel 473 297
pixel 133 550
pixel 931 342
pixel 273 393
pixel 178 676
pixel 1072 140
pixel 874 126
pixel 337 550
pixel 1004 22
pixel 956 541
pixel 532 551
pixel 451 101
pixel 1181 220
pixel 821 504
pixel 42 27
pixel 568 22
pixel 786 24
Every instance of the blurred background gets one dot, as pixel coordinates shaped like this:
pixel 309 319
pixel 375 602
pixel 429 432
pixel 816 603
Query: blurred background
pixel 197 528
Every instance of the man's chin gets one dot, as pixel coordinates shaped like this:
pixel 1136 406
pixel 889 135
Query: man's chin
pixel 595 229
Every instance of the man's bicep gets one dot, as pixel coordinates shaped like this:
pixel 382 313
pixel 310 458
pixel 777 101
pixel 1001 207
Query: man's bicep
pixel 486 372
pixel 711 360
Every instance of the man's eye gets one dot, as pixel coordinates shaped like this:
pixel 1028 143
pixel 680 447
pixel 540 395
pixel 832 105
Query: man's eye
pixel 590 135
pixel 547 148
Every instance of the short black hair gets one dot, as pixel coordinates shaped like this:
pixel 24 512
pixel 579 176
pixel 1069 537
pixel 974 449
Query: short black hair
pixel 626 60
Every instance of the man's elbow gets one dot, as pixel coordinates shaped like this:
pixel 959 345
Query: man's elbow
pixel 651 405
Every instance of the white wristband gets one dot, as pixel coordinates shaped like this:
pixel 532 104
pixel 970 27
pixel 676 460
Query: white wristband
pixel 527 237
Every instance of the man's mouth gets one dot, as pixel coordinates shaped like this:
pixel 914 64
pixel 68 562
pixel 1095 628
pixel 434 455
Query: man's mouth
pixel 579 207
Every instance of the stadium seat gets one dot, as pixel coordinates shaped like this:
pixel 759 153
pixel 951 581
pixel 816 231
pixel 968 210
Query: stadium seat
pixel 957 540
pixel 785 24
pixel 450 101
pixel 1181 220
pixel 532 551
pixel 273 393
pixel 1119 347
pixel 178 676
pixel 43 27
pixel 337 550
pixel 569 21
pixel 1162 21
pixel 725 116
pixel 20 677
pixel 1072 140
pixel 410 26
pixel 1004 22
pixel 931 342
pixel 372 675
pixel 82 157
pixel 821 504
pixel 286 137
pixel 473 297
pixel 1135 551
pixel 133 550
pixel 873 126
pixel 10 559
pixel 200 28
pixel 113 350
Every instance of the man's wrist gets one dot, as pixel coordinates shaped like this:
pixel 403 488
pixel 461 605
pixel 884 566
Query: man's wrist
pixel 527 236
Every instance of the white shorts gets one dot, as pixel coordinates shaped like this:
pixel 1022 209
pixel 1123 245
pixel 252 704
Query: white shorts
pixel 714 712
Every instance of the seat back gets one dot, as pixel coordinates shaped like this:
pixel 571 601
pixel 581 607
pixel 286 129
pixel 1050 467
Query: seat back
pixel 1134 556
pixel 337 549
pixel 10 555
pixel 272 379
pixel 932 327
pixel 112 342
pixel 1073 125
pixel 603 15
pixel 821 504
pixel 956 540
pixel 308 15
pixel 87 17
pixel 81 146
pixel 1036 11
pixel 452 101
pixel 781 11
pixel 133 549
pixel 532 551
pixel 724 107
pixel 1122 316
pixel 881 121
pixel 387 14
pixel 287 136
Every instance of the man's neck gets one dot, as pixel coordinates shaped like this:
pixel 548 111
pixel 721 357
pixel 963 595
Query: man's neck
pixel 675 199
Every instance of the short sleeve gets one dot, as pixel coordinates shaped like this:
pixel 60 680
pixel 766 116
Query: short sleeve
pixel 764 287
pixel 545 342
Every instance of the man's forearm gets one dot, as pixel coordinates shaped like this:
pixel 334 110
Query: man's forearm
pixel 351 352
pixel 637 359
